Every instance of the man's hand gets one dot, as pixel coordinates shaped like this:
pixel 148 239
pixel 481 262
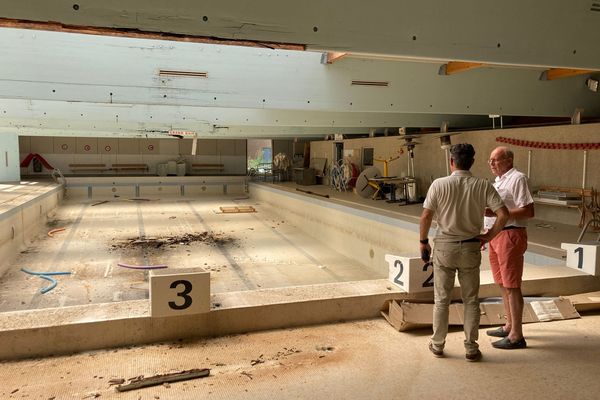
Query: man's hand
pixel 425 252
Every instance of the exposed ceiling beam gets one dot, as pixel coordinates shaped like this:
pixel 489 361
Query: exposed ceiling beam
pixel 466 30
pixel 141 34
pixel 454 67
pixel 558 73
pixel 333 56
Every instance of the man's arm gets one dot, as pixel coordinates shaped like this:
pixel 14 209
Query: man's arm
pixel 424 225
pixel 501 218
pixel 522 212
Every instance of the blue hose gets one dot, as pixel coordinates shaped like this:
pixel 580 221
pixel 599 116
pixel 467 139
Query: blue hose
pixel 46 276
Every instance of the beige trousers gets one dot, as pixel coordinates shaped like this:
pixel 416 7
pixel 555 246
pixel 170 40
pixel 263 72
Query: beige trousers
pixel 449 258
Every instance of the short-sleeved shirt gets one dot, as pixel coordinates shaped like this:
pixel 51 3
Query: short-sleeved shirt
pixel 459 201
pixel 513 187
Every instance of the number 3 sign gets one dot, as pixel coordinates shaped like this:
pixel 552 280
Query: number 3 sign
pixel 410 273
pixel 179 291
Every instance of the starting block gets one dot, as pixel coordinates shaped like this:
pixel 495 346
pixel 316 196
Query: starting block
pixel 410 273
pixel 583 256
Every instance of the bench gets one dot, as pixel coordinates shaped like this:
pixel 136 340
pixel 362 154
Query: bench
pixel 208 167
pixel 88 167
pixel 568 197
pixel 129 167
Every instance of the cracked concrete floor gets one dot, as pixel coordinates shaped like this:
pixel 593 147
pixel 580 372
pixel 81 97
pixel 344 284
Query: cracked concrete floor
pixel 356 360
pixel 247 251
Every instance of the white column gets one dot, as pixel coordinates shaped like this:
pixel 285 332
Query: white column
pixel 9 158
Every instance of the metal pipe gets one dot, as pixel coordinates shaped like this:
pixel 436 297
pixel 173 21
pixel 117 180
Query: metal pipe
pixel 584 168
pixel 529 164
pixel 447 161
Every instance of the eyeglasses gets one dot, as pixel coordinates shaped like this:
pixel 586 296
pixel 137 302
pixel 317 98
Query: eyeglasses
pixel 495 161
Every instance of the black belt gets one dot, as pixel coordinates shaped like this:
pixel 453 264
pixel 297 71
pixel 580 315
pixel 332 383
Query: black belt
pixel 512 227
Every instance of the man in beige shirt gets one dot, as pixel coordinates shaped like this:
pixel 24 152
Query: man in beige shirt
pixel 459 201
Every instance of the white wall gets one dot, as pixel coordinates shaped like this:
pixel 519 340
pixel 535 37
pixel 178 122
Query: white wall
pixel 9 158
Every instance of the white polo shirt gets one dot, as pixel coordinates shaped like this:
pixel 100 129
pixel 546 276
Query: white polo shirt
pixel 459 201
pixel 513 187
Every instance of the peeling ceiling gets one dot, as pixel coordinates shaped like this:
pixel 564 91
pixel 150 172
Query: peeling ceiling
pixel 402 64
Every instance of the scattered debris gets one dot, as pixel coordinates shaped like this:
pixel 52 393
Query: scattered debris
pixel 325 348
pixel 210 238
pixel 56 230
pixel 138 199
pixel 116 381
pixel 14 391
pixel 91 395
pixel 249 375
pixel 259 360
pixel 313 193
pixel 141 382
pixel 545 226
pixel 99 202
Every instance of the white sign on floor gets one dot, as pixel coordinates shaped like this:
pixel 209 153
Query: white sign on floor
pixel 583 256
pixel 410 273
pixel 179 291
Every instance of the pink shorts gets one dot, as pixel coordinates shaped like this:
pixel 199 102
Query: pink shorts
pixel 507 251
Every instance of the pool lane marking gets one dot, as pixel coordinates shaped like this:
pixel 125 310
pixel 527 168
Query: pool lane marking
pixel 35 300
pixel 236 267
pixel 301 250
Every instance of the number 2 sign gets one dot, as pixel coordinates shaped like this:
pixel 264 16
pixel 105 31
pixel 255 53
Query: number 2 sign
pixel 410 273
pixel 179 291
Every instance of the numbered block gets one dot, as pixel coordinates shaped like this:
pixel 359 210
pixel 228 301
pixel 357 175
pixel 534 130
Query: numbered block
pixel 583 256
pixel 179 291
pixel 410 273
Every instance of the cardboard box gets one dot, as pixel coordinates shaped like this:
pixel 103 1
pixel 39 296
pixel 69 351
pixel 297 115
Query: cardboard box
pixel 585 301
pixel 405 316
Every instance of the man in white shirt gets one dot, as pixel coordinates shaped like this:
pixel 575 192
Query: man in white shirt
pixel 507 249
pixel 459 202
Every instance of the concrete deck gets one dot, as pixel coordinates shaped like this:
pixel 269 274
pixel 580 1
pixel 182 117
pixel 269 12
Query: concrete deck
pixel 356 360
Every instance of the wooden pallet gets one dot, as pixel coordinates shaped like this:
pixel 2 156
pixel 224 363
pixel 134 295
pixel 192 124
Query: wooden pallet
pixel 237 209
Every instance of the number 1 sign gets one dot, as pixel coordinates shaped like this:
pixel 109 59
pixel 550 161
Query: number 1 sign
pixel 583 256
pixel 410 273
pixel 179 291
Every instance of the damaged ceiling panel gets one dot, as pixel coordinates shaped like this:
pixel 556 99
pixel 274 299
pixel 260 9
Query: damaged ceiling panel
pixel 555 33
pixel 76 84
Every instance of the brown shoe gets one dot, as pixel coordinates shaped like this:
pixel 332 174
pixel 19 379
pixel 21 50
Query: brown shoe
pixel 436 353
pixel 473 357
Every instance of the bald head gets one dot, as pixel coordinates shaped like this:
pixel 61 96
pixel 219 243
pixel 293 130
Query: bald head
pixel 501 160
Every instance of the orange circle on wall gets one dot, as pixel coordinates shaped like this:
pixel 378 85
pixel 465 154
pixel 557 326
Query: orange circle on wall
pixel 87 147
pixel 107 148
pixel 150 147
pixel 64 146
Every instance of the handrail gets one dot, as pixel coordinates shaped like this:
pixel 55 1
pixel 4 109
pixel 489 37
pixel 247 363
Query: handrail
pixel 587 224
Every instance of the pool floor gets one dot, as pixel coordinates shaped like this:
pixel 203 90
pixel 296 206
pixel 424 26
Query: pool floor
pixel 242 251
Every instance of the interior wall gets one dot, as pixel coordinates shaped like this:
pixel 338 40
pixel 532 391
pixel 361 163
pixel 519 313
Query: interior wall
pixel 61 151
pixel 548 166
pixel 9 162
